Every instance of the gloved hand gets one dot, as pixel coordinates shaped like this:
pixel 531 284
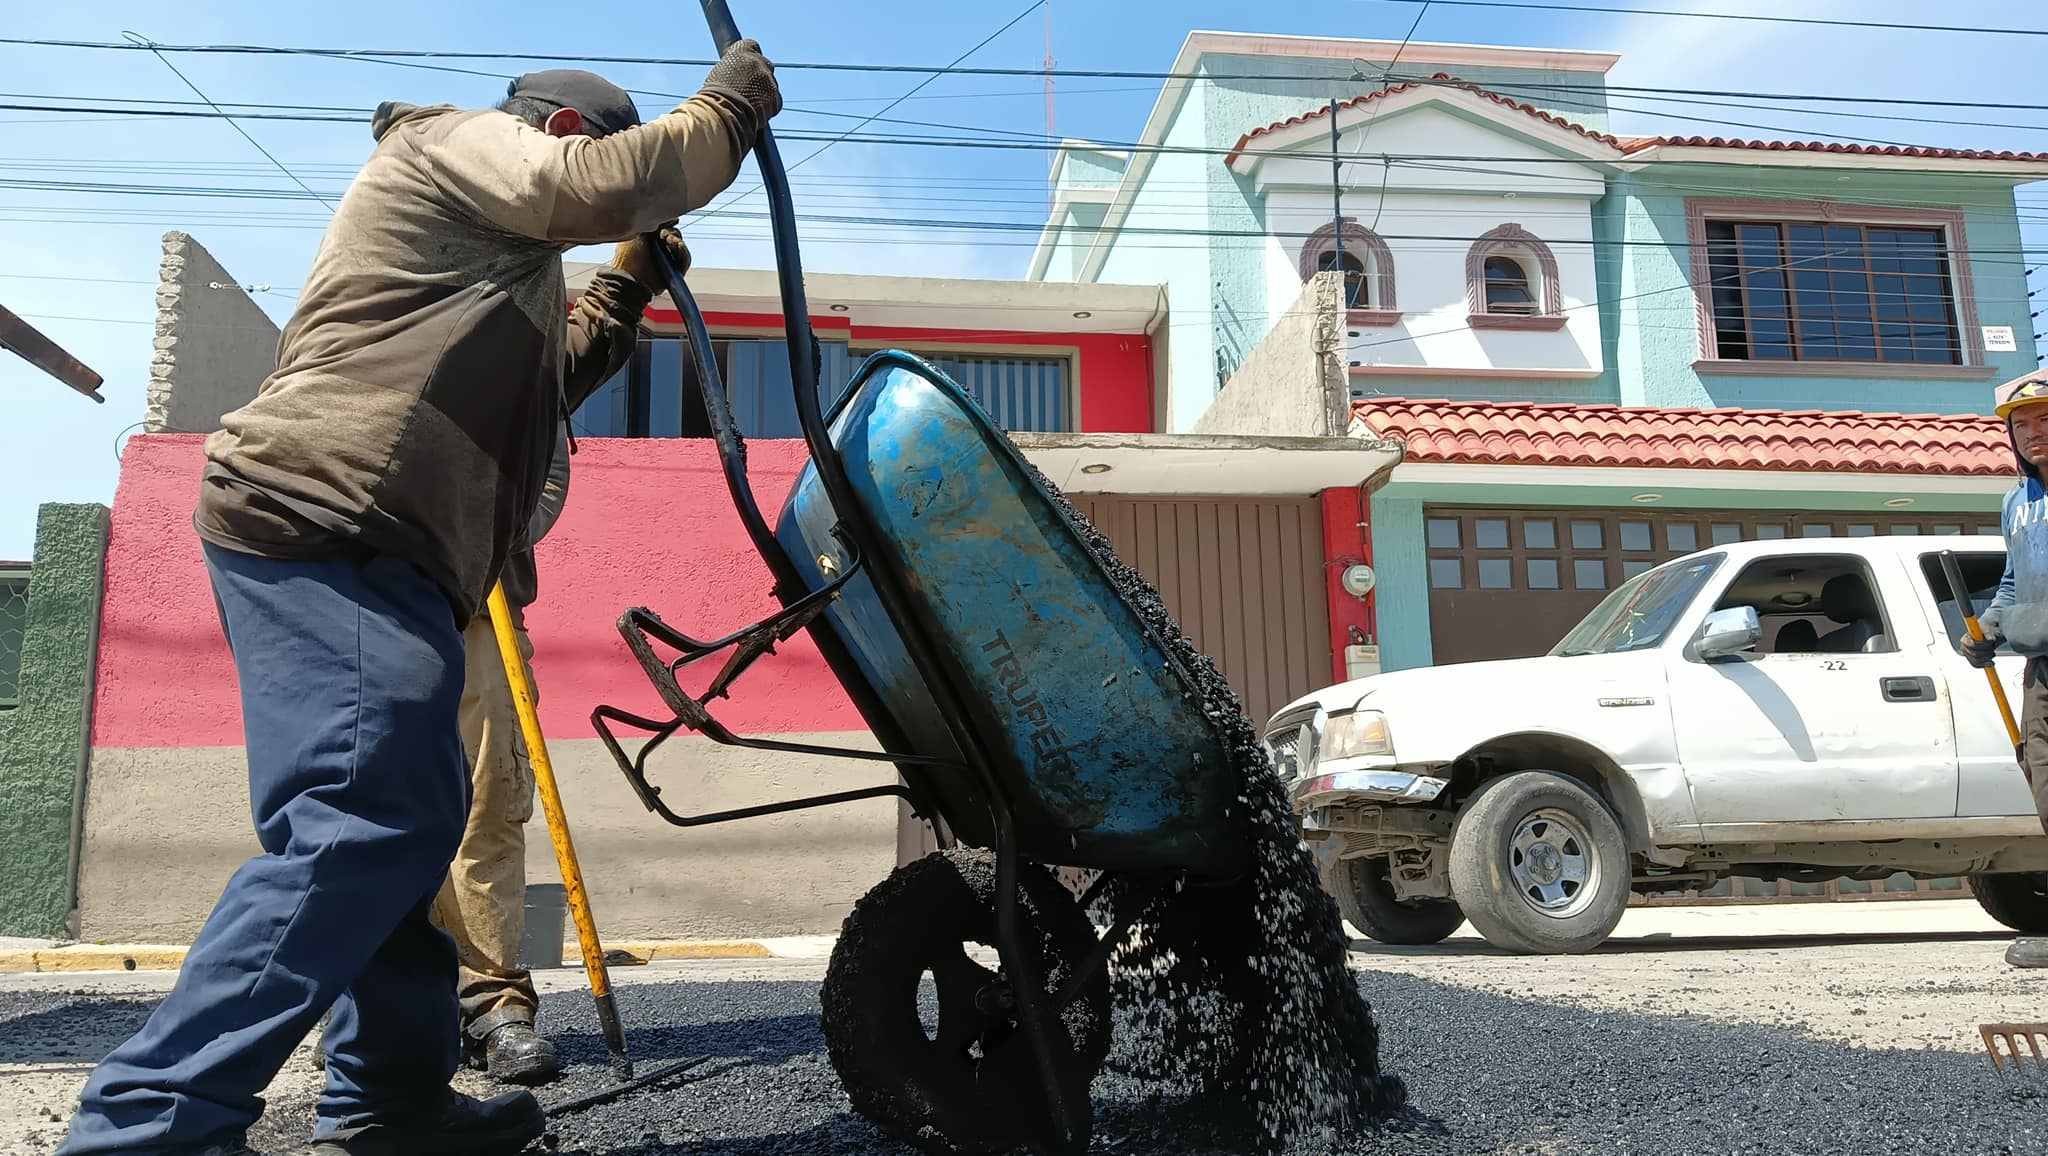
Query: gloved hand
pixel 1980 654
pixel 746 77
pixel 633 258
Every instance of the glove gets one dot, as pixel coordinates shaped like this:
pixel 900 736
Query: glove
pixel 633 258
pixel 746 78
pixel 1980 653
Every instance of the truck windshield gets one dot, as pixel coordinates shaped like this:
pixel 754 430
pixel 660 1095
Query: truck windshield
pixel 1641 611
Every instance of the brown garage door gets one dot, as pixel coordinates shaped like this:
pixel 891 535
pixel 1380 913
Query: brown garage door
pixel 1509 582
pixel 1243 577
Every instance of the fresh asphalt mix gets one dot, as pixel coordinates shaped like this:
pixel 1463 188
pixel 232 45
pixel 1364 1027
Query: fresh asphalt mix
pixel 1487 1073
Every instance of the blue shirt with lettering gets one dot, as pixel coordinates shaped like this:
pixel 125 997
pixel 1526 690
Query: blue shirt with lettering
pixel 2021 606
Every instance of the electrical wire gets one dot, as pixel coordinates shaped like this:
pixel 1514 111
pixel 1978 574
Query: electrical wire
pixel 166 61
pixel 875 116
pixel 1386 169
pixel 1740 16
pixel 1047 145
pixel 928 223
pixel 1337 72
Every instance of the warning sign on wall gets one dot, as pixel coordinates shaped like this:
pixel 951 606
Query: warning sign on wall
pixel 1998 339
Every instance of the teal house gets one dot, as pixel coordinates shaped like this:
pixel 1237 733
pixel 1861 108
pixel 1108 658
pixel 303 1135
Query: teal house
pixel 1601 351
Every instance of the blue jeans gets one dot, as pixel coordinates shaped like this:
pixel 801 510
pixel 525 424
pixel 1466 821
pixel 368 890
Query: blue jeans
pixel 351 674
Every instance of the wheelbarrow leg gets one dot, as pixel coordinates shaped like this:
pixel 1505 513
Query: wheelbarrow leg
pixel 1069 1135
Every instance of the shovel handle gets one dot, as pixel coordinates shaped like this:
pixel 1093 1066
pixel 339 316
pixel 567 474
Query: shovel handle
pixel 500 611
pixel 1952 569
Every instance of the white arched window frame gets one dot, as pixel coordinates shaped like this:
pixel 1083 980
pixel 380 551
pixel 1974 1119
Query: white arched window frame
pixel 1369 266
pixel 1534 300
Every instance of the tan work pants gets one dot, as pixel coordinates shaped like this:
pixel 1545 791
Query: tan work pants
pixel 483 903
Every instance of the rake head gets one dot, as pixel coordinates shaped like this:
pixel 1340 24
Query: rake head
pixel 2014 1044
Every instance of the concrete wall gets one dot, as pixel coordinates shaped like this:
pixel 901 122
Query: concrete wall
pixel 43 740
pixel 1181 264
pixel 648 523
pixel 214 345
pixel 1237 274
pixel 1293 384
pixel 1086 168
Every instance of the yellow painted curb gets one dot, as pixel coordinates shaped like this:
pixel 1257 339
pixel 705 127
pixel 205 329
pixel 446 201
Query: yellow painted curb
pixel 679 949
pixel 92 957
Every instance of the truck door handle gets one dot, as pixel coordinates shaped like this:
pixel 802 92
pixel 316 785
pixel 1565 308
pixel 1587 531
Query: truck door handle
pixel 1918 689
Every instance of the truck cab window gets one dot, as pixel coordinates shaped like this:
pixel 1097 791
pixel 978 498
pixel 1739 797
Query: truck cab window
pixel 1982 571
pixel 1813 604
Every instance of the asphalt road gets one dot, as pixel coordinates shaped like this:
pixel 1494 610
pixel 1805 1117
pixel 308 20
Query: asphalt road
pixel 1857 1042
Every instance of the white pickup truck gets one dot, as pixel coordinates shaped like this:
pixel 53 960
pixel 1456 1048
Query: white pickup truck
pixel 1790 709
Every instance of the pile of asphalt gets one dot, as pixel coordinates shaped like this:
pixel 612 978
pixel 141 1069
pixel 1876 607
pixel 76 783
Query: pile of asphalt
pixel 1491 1074
pixel 1239 995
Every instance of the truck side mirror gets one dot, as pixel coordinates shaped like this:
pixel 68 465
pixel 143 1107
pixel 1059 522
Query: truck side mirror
pixel 1729 632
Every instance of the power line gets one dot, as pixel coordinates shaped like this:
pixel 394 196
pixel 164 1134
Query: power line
pixel 1386 170
pixel 877 115
pixel 1739 16
pixel 929 223
pixel 1337 72
pixel 166 61
pixel 1511 90
pixel 1037 144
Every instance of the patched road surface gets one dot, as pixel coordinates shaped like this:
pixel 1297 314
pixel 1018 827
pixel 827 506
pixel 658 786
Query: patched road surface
pixel 1694 1032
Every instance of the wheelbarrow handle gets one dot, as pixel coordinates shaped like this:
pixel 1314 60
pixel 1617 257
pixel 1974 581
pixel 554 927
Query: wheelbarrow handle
pixel 724 32
pixel 1959 590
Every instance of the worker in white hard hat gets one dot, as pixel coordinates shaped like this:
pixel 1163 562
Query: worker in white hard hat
pixel 2018 619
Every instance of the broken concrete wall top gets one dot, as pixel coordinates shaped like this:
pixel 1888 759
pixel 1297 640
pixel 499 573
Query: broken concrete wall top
pixel 1294 383
pixel 214 344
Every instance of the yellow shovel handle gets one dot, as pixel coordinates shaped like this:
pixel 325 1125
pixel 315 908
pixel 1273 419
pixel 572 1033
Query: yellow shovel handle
pixel 2012 726
pixel 558 823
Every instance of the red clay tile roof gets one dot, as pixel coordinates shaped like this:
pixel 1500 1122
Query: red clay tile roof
pixel 1531 434
pixel 1440 80
pixel 1637 144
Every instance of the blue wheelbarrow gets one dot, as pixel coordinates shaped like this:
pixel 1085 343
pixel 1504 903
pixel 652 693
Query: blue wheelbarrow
pixel 1034 717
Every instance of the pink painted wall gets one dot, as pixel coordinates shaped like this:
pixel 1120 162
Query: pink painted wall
pixel 648 523
pixel 1114 369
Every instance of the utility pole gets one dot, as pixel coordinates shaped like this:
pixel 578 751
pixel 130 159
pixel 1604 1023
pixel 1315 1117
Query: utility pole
pixel 18 336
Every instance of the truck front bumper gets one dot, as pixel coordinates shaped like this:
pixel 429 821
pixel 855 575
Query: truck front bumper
pixel 1366 787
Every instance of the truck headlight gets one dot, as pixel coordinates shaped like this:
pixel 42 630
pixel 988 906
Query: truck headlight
pixel 1362 732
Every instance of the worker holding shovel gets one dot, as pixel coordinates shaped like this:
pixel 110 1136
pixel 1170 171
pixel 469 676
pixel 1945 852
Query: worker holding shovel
pixel 354 516
pixel 2018 614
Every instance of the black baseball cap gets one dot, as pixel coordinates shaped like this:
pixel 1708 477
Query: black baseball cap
pixel 604 105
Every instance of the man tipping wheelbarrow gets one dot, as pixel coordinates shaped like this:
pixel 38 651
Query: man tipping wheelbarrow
pixel 1044 711
pixel 354 516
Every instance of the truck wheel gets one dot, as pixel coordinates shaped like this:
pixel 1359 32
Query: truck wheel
pixel 1366 897
pixel 972 1085
pixel 1539 864
pixel 2018 901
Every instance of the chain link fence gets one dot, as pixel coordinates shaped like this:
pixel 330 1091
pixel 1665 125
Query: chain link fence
pixel 13 624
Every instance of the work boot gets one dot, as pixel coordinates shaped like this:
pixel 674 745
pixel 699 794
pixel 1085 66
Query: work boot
pixel 464 1127
pixel 515 1054
pixel 2028 951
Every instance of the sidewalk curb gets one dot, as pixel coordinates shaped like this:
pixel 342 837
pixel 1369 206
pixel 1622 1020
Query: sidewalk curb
pixel 136 957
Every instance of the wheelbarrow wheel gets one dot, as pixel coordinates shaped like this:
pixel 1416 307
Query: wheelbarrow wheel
pixel 973 1085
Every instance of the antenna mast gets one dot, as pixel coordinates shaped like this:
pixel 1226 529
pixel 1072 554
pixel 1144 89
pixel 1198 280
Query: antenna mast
pixel 1050 134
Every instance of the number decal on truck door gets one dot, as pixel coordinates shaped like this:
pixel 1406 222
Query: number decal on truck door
pixel 1833 664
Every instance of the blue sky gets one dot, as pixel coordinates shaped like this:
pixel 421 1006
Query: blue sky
pixel 83 266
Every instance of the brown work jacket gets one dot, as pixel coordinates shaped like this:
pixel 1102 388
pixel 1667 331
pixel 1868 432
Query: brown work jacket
pixel 420 381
